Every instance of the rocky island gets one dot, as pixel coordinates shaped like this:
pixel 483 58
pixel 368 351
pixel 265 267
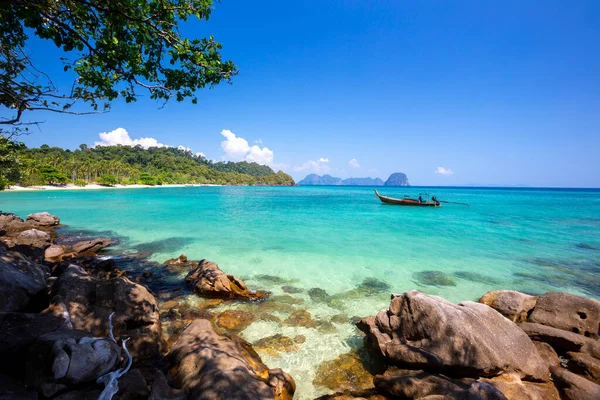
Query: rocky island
pixel 78 326
pixel 396 179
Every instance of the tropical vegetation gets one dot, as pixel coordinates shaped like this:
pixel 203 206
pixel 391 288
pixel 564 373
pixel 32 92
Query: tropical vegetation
pixel 111 165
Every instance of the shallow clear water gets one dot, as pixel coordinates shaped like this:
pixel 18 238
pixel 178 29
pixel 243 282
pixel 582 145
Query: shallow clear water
pixel 334 238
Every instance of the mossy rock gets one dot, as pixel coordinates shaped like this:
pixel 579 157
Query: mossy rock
pixel 434 278
pixel 233 321
pixel 273 345
pixel 346 372
pixel 291 289
pixel 300 318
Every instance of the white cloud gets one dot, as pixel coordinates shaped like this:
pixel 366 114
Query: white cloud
pixel 443 171
pixel 120 137
pixel 237 149
pixel 319 167
pixel 200 154
pixel 259 141
pixel 354 163
pixel 183 148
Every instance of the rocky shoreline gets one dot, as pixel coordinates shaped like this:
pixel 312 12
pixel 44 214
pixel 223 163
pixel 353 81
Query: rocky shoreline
pixel 72 324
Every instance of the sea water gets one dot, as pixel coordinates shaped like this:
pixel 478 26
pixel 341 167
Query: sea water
pixel 333 238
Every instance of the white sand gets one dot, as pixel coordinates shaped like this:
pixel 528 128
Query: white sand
pixel 93 186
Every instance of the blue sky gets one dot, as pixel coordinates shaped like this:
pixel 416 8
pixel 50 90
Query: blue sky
pixel 498 93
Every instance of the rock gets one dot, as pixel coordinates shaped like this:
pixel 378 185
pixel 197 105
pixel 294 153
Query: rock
pixel 34 238
pixel 547 353
pixel 11 224
pixel 361 395
pixel 562 341
pixel 291 289
pixel 132 386
pixel 417 384
pixel 319 295
pixel 574 387
pixel 568 312
pixel 208 280
pixel 512 304
pixel 205 364
pixel 299 339
pixel 300 318
pixel 273 345
pixel 162 391
pixel 234 321
pixel 514 388
pixel 10 389
pixel 584 365
pixel 54 252
pixel 90 247
pixel 89 301
pixel 286 299
pixel 71 358
pixel 18 331
pixel 434 278
pixel 43 219
pixel 179 260
pixel 22 283
pixel 340 319
pixel 397 179
pixel 346 372
pixel 326 327
pixel 468 339
pixel 269 318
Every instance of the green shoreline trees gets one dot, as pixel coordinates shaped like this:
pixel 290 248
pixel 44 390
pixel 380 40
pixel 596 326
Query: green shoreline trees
pixel 110 165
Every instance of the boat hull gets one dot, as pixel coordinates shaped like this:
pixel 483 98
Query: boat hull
pixel 406 202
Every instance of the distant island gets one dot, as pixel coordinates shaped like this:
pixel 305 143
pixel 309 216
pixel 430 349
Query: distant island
pixel 396 179
pixel 126 165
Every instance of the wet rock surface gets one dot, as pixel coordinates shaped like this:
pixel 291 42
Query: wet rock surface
pixel 208 280
pixel 348 372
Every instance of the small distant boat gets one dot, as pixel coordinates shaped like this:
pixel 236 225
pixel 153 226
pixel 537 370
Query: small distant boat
pixel 406 201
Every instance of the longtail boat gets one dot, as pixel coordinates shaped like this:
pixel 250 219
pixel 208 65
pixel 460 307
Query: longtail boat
pixel 406 201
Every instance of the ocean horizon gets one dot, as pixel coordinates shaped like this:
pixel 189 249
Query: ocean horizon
pixel 342 240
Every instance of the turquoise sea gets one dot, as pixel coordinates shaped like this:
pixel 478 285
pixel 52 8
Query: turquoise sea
pixel 335 238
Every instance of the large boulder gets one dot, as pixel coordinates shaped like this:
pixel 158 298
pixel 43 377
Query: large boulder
pixel 70 358
pixel 34 238
pixel 59 252
pixel 568 312
pixel 42 219
pixel 18 331
pixel 512 304
pixel 22 283
pixel 213 367
pixel 417 384
pixel 573 386
pixel 562 341
pixel 208 280
pixel 12 224
pixel 514 388
pixel 468 339
pixel 584 365
pixel 89 301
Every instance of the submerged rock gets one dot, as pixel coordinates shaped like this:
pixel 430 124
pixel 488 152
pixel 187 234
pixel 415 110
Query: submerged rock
pixel 22 283
pixel 346 372
pixel 234 321
pixel 468 339
pixel 513 305
pixel 88 302
pixel 273 345
pixel 476 277
pixel 205 364
pixel 291 289
pixel 208 280
pixel 568 312
pixel 434 278
pixel 300 318
pixel 319 295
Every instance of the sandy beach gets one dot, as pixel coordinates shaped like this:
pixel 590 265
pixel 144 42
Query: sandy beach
pixel 93 186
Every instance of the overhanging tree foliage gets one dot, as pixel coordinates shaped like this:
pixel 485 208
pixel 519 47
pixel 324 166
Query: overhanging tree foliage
pixel 116 48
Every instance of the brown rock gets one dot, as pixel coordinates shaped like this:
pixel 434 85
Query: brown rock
pixel 584 365
pixel 326 327
pixel 22 283
pixel 234 321
pixel 346 372
pixel 179 260
pixel 205 364
pixel 89 301
pixel 54 252
pixel 286 299
pixel 299 339
pixel 11 224
pixel 568 312
pixel 547 353
pixel 513 305
pixel 340 319
pixel 34 238
pixel 574 387
pixel 273 345
pixel 562 341
pixel 162 391
pixel 415 384
pixel 300 318
pixel 208 280
pixel 42 219
pixel 89 247
pixel 514 388
pixel 269 318
pixel 468 339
